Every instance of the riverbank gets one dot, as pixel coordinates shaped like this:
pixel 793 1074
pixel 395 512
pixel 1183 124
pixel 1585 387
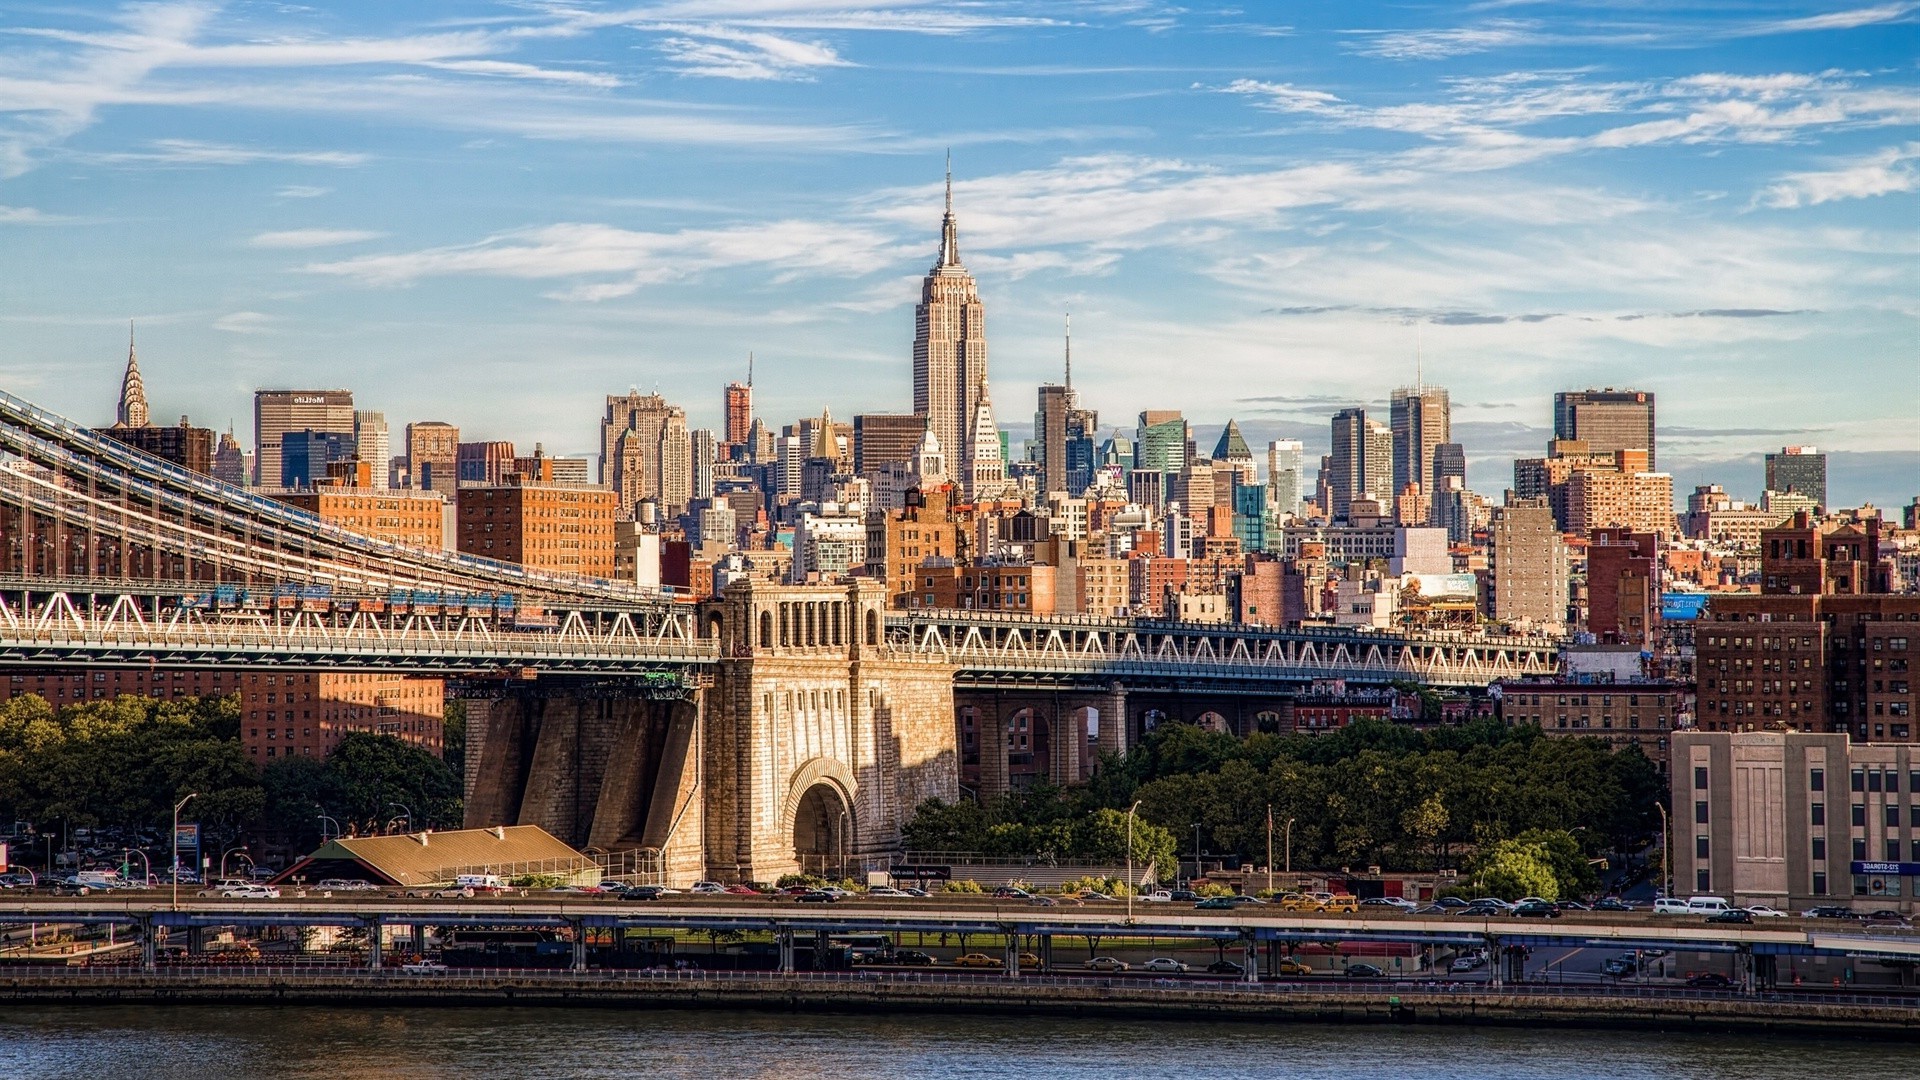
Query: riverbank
pixel 1856 1016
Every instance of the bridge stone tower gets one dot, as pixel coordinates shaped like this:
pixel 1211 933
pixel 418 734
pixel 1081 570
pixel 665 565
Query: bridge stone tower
pixel 820 737
pixel 807 748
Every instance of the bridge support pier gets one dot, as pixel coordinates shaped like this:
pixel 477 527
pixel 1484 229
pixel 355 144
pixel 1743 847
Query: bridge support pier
pixel 578 961
pixel 1046 952
pixel 149 948
pixel 376 933
pixel 1012 967
pixel 784 936
pixel 1113 721
pixel 1250 960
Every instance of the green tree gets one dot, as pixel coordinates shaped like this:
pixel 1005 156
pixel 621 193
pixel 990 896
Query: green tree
pixel 371 773
pixel 1510 869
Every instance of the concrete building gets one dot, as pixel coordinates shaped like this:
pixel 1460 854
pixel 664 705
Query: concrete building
pixel 307 457
pixel 433 456
pixel 183 444
pixel 1405 550
pixel 1362 462
pixel 1286 476
pixel 276 412
pixel 1527 571
pixel 880 440
pixel 1796 819
pixel 484 463
pixel 1607 420
pixel 829 544
pixel 1623 586
pixel 1642 501
pixel 898 541
pixel 1801 470
pixel 645 453
pixel 1018 588
pixel 373 444
pixel 547 527
pixel 738 413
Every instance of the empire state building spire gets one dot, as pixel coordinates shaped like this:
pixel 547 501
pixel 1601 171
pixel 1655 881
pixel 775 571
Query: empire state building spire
pixel 949 230
pixel 132 412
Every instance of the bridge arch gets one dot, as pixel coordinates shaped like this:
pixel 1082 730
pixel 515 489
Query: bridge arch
pixel 820 815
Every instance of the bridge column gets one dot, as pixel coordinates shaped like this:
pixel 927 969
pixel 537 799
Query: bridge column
pixel 374 943
pixel 149 948
pixel 1013 954
pixel 1046 952
pixel 993 749
pixel 1113 721
pixel 784 936
pixel 579 961
pixel 1250 961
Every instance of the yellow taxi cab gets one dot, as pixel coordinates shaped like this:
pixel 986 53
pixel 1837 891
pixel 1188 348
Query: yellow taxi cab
pixel 1289 966
pixel 1297 902
pixel 976 959
pixel 1341 902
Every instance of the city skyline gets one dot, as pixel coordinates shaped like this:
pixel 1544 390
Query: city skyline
pixel 1297 211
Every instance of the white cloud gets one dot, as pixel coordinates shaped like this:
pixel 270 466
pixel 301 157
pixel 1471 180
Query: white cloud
pixel 311 238
pixel 245 322
pixel 303 191
pixel 24 215
pixel 1443 43
pixel 1890 172
pixel 508 69
pixel 194 152
pixel 721 52
pixel 1836 20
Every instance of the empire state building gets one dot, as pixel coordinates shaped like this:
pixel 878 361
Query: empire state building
pixel 950 346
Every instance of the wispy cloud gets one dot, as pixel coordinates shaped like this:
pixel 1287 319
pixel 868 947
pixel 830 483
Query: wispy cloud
pixel 25 215
pixel 302 191
pixel 1440 44
pixel 311 238
pixel 1888 172
pixel 722 52
pixel 510 70
pixel 244 322
pixel 193 152
pixel 1848 19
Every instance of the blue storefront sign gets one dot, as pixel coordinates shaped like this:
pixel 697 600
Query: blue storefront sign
pixel 1887 869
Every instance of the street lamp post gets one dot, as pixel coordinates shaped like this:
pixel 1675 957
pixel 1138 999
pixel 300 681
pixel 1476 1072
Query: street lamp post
pixel 843 845
pixel 126 859
pixel 1130 884
pixel 243 854
pixel 1196 853
pixel 324 819
pixel 174 842
pixel 1666 864
pixel 404 809
pixel 1289 846
pixel 1269 849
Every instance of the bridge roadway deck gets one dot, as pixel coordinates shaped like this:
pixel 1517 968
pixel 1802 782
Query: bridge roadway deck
pixel 1636 931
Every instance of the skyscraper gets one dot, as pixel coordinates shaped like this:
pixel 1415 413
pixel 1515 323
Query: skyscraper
pixel 704 453
pixel 1161 445
pixel 1799 469
pixel 739 411
pixel 986 471
pixel 949 344
pixel 132 410
pixel 1050 436
pixel 276 412
pixel 1362 461
pixel 1286 475
pixel 373 444
pixel 1233 454
pixel 1421 419
pixel 630 450
pixel 1607 420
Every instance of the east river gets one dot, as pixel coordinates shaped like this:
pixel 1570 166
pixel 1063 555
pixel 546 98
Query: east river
pixel 194 1042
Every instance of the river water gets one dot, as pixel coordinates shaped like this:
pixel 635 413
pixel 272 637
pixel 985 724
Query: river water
pixel 200 1042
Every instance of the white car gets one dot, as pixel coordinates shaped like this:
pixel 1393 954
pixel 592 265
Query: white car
pixel 1161 897
pixel 250 892
pixel 424 967
pixel 1165 964
pixel 885 890
pixel 1766 912
pixel 708 888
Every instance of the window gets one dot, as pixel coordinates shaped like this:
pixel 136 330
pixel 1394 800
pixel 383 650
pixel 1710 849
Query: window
pixel 1873 780
pixel 1819 849
pixel 1700 812
pixel 1893 780
pixel 1859 849
pixel 1699 778
pixel 1703 880
pixel 1817 780
pixel 1893 851
pixel 1817 813
pixel 1893 815
pixel 1819 883
pixel 1859 815
pixel 1700 847
pixel 1859 780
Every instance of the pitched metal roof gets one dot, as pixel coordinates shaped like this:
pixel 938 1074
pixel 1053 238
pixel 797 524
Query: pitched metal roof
pixel 431 858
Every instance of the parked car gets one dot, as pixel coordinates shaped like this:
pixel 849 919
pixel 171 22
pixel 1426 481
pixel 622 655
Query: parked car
pixel 1365 971
pixel 913 958
pixel 1226 967
pixel 1830 912
pixel 1571 905
pixel 424 967
pixel 642 892
pixel 1539 909
pixel 1620 966
pixel 1468 962
pixel 708 888
pixel 1289 966
pixel 1710 980
pixel 977 960
pixel 1158 896
pixel 1612 903
pixel 1886 917
pixel 1216 903
pixel 1765 912
pixel 817 896
pixel 1298 902
pixel 1164 965
pixel 1731 915
pixel 1009 892
pixel 1105 963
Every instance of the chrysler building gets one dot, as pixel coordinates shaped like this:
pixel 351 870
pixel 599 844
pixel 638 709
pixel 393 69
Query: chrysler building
pixel 949 346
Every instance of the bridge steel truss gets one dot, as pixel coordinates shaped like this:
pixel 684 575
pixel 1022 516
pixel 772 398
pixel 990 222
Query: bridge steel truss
pixel 55 624
pixel 1007 651
pixel 77 504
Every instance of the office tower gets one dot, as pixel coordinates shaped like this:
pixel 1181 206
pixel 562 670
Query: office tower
pixel 949 343
pixel 1161 445
pixel 880 440
pixel 1527 570
pixel 373 444
pixel 546 527
pixel 1449 462
pixel 132 409
pixel 185 445
pixel 433 456
pixel 484 463
pixel 229 461
pixel 703 451
pixel 1801 470
pixel 306 454
pixel 1421 420
pixel 1286 475
pixel 1362 462
pixel 673 484
pixel 276 412
pixel 739 411
pixel 569 471
pixel 1050 436
pixel 1607 420
pixel 630 450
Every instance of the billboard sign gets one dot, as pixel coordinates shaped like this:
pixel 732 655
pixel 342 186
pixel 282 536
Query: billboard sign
pixel 186 839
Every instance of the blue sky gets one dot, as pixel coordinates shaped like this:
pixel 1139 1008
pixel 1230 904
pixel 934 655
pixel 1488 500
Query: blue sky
pixel 496 213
